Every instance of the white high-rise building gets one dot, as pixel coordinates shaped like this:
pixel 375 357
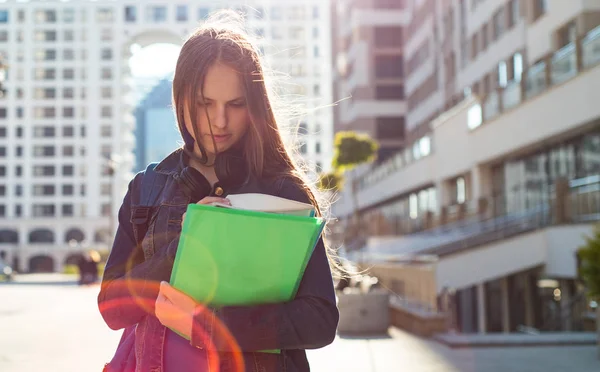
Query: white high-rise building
pixel 65 114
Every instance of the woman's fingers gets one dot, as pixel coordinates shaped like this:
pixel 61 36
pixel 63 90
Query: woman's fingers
pixel 214 199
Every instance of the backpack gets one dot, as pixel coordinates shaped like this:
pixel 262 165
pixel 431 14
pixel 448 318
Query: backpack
pixel 141 215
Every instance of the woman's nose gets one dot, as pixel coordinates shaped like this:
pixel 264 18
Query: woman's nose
pixel 220 120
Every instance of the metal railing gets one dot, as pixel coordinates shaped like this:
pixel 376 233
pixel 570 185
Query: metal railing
pixel 536 79
pixel 564 64
pixel 584 199
pixel 511 95
pixel 590 46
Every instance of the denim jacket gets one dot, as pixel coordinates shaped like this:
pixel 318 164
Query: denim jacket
pixel 133 273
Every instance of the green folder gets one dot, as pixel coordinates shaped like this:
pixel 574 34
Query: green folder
pixel 238 257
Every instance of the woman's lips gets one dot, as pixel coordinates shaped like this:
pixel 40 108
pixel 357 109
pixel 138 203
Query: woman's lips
pixel 221 138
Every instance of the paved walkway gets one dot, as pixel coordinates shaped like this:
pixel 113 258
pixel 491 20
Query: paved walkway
pixel 56 327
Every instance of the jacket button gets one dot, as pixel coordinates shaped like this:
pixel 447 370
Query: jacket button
pixel 218 191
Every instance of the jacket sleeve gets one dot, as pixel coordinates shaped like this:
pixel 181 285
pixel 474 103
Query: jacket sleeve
pixel 307 322
pixel 130 285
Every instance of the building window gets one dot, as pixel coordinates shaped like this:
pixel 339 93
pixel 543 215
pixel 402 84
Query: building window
pixel 18 171
pixel 43 151
pixel 105 131
pixel 106 111
pixel 3 16
pixel 68 150
pixel 474 116
pixel 203 13
pixel 388 66
pixel 303 149
pixel 45 55
pixel 316 52
pixel 18 210
pixel 461 190
pixel 67 210
pixel 388 36
pixel 389 92
pixel 68 74
pixel 68 35
pixel 157 14
pixel 45 74
pixel 130 14
pixel 45 93
pixel 2 190
pixel 43 170
pixel 182 13
pixel 104 15
pixel 43 190
pixel 68 131
pixel 502 74
pixel 106 35
pixel 390 127
pixel 19 151
pixel 513 12
pixel 68 170
pixel 106 54
pixel 106 92
pixel 3 112
pixel 44 112
pixel 68 92
pixel 44 132
pixel 43 210
pixel 105 210
pixel 390 4
pixel 18 190
pixel 45 36
pixel 67 190
pixel 105 189
pixel 3 132
pixel 106 73
pixel 318 148
pixel 45 16
pixel 499 19
pixel 68 54
pixel 2 151
pixel 68 15
pixel 517 67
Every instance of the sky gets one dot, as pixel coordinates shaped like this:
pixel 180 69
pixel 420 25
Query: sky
pixel 155 60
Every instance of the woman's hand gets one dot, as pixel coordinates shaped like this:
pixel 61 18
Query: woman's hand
pixel 175 310
pixel 209 200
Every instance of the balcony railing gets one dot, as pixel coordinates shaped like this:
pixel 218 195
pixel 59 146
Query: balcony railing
pixel 536 79
pixel 590 46
pixel 584 199
pixel 511 96
pixel 491 106
pixel 560 67
pixel 564 64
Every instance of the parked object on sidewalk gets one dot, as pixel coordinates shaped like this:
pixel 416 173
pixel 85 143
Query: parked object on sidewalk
pixel 364 312
pixel 6 272
pixel 88 267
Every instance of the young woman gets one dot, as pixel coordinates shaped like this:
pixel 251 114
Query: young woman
pixel 232 145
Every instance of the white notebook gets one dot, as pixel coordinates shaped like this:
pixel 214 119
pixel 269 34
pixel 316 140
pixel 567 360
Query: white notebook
pixel 268 203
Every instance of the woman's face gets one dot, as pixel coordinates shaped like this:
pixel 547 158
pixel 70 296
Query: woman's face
pixel 225 103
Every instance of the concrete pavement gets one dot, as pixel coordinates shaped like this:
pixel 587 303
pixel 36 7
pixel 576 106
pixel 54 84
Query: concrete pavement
pixel 57 327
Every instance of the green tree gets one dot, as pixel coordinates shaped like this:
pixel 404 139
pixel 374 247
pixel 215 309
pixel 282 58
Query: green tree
pixel 352 149
pixel 589 267
pixel 330 181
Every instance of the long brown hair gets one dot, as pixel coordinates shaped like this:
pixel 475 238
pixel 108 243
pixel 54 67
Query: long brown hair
pixel 220 40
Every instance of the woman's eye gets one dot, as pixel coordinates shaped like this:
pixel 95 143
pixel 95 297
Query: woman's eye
pixel 238 104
